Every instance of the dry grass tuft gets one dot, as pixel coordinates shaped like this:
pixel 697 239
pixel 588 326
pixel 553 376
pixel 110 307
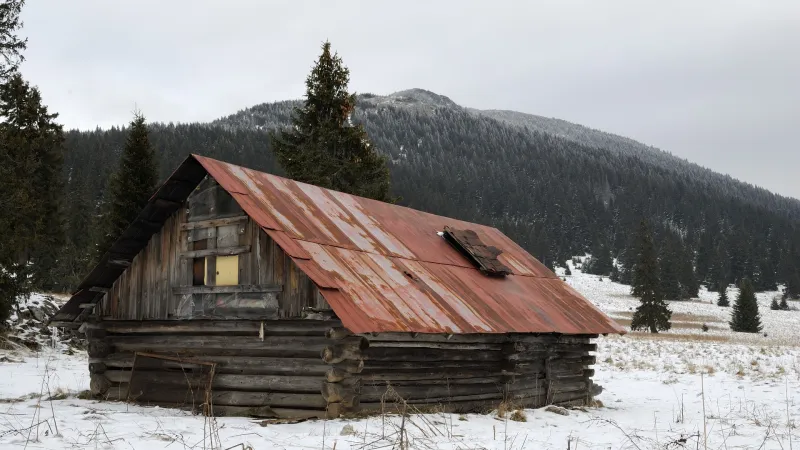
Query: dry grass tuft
pixel 519 416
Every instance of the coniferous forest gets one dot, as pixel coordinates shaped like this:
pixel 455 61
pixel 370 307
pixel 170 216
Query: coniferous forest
pixel 557 195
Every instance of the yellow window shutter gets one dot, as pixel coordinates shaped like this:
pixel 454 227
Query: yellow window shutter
pixel 227 270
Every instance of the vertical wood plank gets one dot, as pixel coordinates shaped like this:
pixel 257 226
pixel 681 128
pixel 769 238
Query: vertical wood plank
pixel 247 260
pixel 211 261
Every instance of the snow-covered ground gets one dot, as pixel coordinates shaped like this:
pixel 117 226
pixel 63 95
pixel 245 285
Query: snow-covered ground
pixel 657 392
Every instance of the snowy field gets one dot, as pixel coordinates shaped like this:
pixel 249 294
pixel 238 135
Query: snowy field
pixel 683 389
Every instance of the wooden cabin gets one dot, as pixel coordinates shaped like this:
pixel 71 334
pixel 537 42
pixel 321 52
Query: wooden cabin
pixel 237 292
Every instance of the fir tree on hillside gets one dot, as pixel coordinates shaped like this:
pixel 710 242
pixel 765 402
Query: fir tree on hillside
pixel 722 300
pixel 745 317
pixel 323 146
pixel 601 262
pixel 792 289
pixel 652 313
pixel 129 188
pixel 75 257
pixel 668 275
pixel 31 157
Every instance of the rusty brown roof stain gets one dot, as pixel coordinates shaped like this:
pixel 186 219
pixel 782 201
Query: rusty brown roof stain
pixel 386 268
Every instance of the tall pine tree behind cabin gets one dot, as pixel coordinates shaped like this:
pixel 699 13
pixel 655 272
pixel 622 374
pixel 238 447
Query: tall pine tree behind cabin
pixel 745 316
pixel 323 147
pixel 652 314
pixel 129 188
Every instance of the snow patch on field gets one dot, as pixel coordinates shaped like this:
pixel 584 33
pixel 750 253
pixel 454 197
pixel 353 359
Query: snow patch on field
pixel 656 389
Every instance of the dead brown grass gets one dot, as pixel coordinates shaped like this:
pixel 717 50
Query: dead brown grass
pixel 684 317
pixel 676 317
pixel 679 336
pixel 678 325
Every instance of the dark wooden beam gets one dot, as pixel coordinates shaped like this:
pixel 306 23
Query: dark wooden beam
pixel 216 252
pixel 213 222
pixel 119 262
pixel 64 324
pixel 255 288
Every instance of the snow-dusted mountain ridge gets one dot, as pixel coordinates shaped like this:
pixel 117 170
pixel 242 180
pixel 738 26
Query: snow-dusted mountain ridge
pixel 421 101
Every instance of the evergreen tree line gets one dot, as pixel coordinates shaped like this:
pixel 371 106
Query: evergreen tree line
pixel 554 196
pixel 647 283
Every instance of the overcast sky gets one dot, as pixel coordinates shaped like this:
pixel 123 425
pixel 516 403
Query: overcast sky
pixel 716 82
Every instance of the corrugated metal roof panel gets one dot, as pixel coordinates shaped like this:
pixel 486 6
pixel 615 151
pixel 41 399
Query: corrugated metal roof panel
pixel 385 268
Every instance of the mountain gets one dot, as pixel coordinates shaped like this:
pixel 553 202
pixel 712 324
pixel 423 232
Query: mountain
pixel 555 187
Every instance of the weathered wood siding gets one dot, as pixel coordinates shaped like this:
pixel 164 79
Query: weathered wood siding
pixel 145 291
pixel 262 368
pixel 268 264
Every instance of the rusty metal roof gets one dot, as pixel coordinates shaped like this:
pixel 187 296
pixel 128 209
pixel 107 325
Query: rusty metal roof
pixel 381 267
pixel 387 268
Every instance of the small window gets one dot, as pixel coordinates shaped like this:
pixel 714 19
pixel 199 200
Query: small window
pixel 227 270
pixel 199 264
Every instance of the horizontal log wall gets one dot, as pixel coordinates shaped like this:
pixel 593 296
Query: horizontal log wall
pixel 465 373
pixel 274 371
pixel 314 368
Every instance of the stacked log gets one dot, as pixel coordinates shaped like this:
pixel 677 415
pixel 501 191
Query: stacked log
pixel 316 368
pixel 344 356
pixel 568 373
pixel 471 373
pixel 269 369
pixel 423 371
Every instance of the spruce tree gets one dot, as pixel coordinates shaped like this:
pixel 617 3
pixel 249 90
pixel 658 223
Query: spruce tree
pixel 652 313
pixel 745 316
pixel 11 46
pixel 766 278
pixel 720 265
pixel 668 275
pixel 601 262
pixel 323 147
pixel 792 289
pixel 775 306
pixel 31 156
pixel 722 300
pixel 129 188
pixel 784 305
pixel 615 274
pixel 690 287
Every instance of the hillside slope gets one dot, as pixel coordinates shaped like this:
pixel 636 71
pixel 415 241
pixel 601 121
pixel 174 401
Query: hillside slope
pixel 557 188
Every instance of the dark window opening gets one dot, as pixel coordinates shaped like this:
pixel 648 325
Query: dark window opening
pixel 199 264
